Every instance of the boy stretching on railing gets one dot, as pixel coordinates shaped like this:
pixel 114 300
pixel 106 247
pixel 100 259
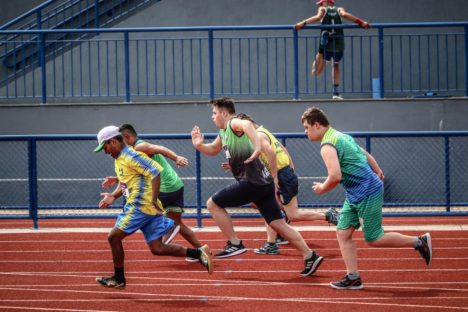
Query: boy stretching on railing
pixel 331 39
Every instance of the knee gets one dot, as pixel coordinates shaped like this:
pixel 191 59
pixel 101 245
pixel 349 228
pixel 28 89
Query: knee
pixel 113 239
pixel 210 204
pixel 157 249
pixel 343 236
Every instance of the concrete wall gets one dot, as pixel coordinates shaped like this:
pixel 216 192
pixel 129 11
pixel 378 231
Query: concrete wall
pixel 350 115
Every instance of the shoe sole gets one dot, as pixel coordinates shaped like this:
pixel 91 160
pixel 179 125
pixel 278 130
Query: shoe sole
pixel 173 234
pixel 235 253
pixel 429 244
pixel 206 253
pixel 314 267
pixel 265 253
pixel 282 243
pixel 192 260
pixel 347 288
pixel 119 286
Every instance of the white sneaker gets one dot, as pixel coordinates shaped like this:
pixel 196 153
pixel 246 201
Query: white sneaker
pixel 190 259
pixel 337 97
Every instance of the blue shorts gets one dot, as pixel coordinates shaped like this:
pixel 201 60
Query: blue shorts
pixel 172 201
pixel 153 227
pixel 243 192
pixel 336 55
pixel 288 184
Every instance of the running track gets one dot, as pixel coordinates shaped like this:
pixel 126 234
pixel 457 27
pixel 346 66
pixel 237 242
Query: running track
pixel 54 269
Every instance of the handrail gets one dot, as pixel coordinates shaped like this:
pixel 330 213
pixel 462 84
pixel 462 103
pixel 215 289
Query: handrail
pixel 233 27
pixel 27 14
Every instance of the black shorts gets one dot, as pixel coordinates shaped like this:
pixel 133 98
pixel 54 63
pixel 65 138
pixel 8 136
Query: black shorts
pixel 243 192
pixel 173 201
pixel 288 185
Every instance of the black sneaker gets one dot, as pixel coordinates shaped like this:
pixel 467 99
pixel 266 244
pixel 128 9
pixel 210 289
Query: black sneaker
pixel 110 282
pixel 347 283
pixel 231 250
pixel 425 248
pixel 268 249
pixel 206 259
pixel 312 264
pixel 170 234
pixel 332 216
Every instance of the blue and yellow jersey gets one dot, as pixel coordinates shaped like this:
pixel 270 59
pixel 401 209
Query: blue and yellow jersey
pixel 357 177
pixel 282 158
pixel 135 171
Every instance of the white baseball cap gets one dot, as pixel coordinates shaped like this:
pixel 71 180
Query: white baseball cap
pixel 106 134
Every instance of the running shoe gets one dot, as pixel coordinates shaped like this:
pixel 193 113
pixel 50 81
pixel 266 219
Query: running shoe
pixel 110 282
pixel 231 250
pixel 312 264
pixel 190 259
pixel 206 258
pixel 267 249
pixel 280 240
pixel 332 216
pixel 425 247
pixel 347 283
pixel 170 234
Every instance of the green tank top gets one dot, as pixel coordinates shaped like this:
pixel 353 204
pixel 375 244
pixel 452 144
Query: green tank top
pixel 170 181
pixel 237 150
pixel 336 38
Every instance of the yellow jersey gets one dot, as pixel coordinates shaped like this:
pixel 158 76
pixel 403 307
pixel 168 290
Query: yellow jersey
pixel 282 158
pixel 135 170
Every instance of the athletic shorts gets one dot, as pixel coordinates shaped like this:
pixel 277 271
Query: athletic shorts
pixel 172 201
pixel 243 192
pixel 328 55
pixel 153 227
pixel 368 212
pixel 288 185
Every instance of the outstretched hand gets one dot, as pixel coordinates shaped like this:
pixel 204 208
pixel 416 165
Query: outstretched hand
pixel 197 136
pixel 107 200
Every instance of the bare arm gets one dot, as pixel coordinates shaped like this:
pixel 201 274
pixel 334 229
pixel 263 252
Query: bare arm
pixel 155 186
pixel 211 149
pixel 313 19
pixel 151 149
pixel 352 18
pixel 246 126
pixel 109 198
pixel 330 158
pixel 374 165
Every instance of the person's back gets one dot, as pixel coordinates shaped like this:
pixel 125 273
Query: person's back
pixel 358 178
pixel 282 158
pixel 335 40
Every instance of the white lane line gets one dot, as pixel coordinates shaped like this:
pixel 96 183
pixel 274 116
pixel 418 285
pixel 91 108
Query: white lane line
pixel 215 229
pixel 51 309
pixel 232 298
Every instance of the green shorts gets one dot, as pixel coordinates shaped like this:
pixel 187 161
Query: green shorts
pixel 368 211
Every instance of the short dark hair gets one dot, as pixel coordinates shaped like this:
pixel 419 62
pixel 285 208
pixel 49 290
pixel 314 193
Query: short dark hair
pixel 224 102
pixel 127 127
pixel 245 117
pixel 313 115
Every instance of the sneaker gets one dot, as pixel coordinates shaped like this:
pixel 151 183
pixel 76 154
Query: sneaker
pixel 110 282
pixel 170 234
pixel 332 216
pixel 190 259
pixel 312 264
pixel 337 97
pixel 280 240
pixel 267 249
pixel 347 283
pixel 425 249
pixel 231 250
pixel 206 258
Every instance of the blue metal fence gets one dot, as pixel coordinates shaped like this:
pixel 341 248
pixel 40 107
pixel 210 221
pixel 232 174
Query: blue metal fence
pixel 389 60
pixel 60 177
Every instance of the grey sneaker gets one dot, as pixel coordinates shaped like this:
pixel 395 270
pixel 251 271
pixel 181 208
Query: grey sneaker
pixel 170 234
pixel 347 283
pixel 332 216
pixel 268 249
pixel 280 240
pixel 206 258
pixel 312 264
pixel 425 247
pixel 110 282
pixel 231 250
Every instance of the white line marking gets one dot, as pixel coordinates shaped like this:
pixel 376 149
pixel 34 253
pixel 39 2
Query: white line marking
pixel 51 309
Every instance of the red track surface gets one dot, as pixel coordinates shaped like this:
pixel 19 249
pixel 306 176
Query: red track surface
pixel 56 272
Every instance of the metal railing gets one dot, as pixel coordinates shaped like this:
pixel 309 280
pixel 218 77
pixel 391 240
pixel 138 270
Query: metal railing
pixel 389 60
pixel 60 177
